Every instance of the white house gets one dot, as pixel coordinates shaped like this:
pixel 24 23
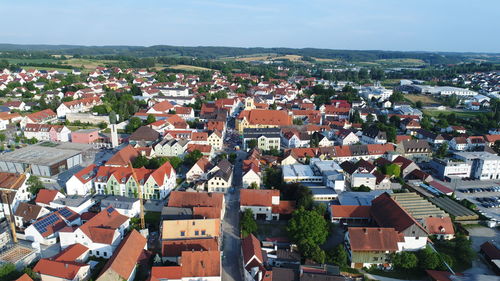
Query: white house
pixel 81 183
pixel 101 234
pixel 15 187
pixel 199 170
pixel 46 229
pixel 126 206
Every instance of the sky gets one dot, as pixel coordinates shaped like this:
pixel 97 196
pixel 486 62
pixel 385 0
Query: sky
pixel 403 25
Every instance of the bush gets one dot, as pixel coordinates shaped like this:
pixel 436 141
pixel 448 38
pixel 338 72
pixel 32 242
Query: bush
pixel 247 223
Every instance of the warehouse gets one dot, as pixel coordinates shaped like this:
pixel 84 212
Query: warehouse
pixel 46 159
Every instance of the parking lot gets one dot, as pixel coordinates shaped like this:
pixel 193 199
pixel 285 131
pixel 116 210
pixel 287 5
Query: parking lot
pixel 484 194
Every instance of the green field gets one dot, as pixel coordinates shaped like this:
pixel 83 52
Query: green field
pixel 458 113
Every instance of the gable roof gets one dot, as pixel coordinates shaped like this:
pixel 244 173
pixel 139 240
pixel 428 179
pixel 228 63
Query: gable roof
pixel 62 269
pixel 258 197
pixel 195 199
pixel 373 239
pixel 126 256
pixel 45 196
pixel 101 228
pixel 174 248
pixel 7 180
pixel 200 263
pixel 24 277
pixel 123 157
pixel 266 117
pixel 144 133
pixel 388 213
pixel 251 249
pixel 439 225
pixel 71 253
pixel 348 211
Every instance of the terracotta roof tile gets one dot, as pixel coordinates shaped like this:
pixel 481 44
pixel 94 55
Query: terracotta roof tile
pixel 126 256
pixel 258 197
pixel 373 239
pixel 201 264
pixel 346 211
pixel 174 248
pixel 45 196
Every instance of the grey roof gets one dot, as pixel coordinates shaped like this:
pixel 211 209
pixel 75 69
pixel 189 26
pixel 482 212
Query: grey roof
pixel 254 133
pixel 145 133
pixel 72 201
pixel 176 213
pixel 45 154
pixel 285 274
pixel 225 170
pixel 118 202
pixel 359 198
pixel 374 131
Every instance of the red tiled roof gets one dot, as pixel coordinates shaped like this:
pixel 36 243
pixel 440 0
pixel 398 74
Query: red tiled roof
pixel 86 174
pixel 347 211
pixel 126 256
pixel 258 197
pixel 284 208
pixel 166 272
pixel 435 225
pixel 101 228
pixel 195 199
pixel 174 248
pixel 203 148
pixel 123 157
pixel 200 264
pixel 45 196
pixel 71 253
pixel 65 270
pixel 24 277
pixel 40 116
pixel 373 239
pixel 388 213
pixel 251 248
pixel 266 117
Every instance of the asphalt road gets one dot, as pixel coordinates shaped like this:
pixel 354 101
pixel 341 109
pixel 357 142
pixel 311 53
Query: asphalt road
pixel 231 244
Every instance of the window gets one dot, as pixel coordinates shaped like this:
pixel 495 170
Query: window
pixel 203 232
pixel 105 254
pixel 196 232
pixel 183 233
pixel 97 253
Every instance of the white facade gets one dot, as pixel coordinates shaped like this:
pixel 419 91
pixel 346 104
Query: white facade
pixel 250 177
pixel 75 187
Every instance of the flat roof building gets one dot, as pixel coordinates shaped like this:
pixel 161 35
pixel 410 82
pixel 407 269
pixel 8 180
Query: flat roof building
pixel 46 159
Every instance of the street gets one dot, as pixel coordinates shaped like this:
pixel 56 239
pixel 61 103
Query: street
pixel 231 243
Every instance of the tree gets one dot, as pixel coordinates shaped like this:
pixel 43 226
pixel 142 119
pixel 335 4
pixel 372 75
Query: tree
pixel 34 184
pixel 442 150
pixel 140 162
pixel 391 170
pixel 247 223
pixel 133 124
pixel 304 197
pixel 272 177
pixel 2 137
pixel 8 272
pixel 307 228
pixel 192 157
pixel 428 259
pixel 251 144
pixel 370 118
pixel 361 188
pixel 151 119
pixel 405 260
pixel 175 162
pixel 232 157
pixel 135 223
pixel 253 185
pixel 102 125
pixel 339 256
pixel 419 104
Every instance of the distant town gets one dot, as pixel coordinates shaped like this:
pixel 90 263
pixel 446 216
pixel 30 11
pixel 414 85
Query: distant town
pixel 264 167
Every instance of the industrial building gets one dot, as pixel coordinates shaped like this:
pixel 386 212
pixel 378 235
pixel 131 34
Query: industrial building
pixel 44 159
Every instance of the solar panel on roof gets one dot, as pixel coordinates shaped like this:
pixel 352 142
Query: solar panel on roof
pixel 65 213
pixel 110 210
pixel 41 225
